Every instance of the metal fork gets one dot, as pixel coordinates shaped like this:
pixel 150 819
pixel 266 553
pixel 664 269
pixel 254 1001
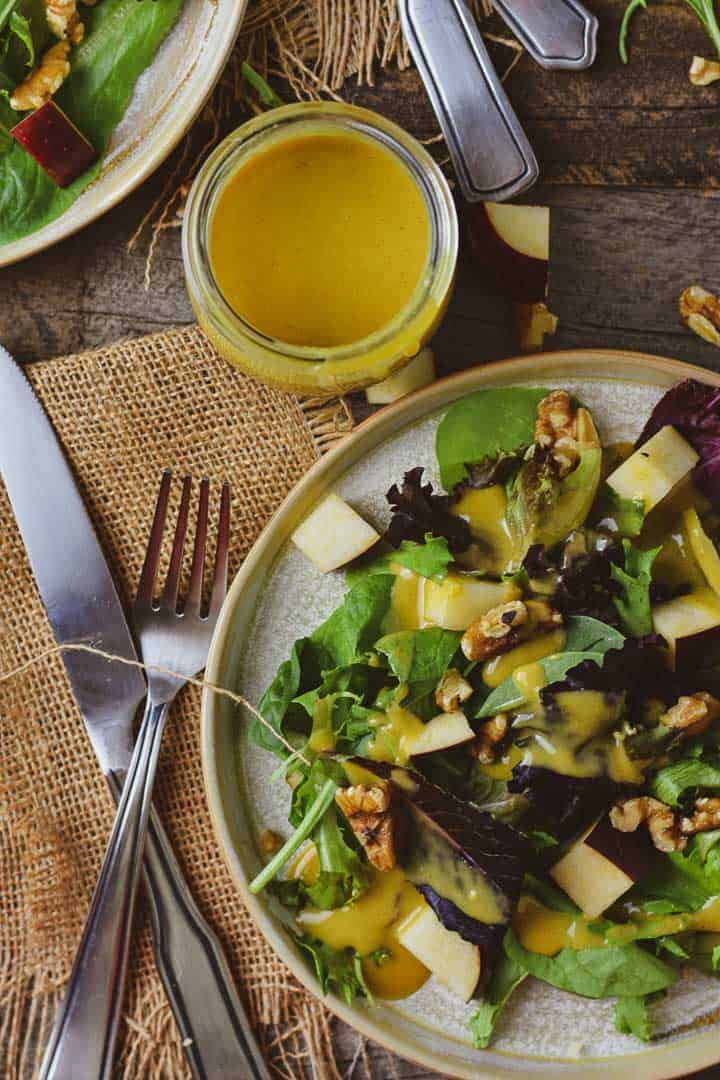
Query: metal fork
pixel 176 641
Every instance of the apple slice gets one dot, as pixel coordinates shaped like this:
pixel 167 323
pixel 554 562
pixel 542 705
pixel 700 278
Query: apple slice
pixel 334 534
pixel 454 962
pixel 447 729
pixel 532 323
pixel 512 243
pixel 601 866
pixel 653 470
pixel 703 548
pixel 419 372
pixel 689 624
pixel 56 144
pixel 459 599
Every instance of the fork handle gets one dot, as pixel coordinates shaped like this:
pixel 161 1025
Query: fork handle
pixel 217 1037
pixel 83 1037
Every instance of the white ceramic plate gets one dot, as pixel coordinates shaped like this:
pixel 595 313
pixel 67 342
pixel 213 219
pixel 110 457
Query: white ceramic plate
pixel 278 596
pixel 168 96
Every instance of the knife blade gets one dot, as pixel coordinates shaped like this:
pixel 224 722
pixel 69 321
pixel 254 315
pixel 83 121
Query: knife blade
pixel 69 567
pixel 83 607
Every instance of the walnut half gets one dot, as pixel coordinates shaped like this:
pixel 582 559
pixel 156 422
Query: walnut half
pixel 452 691
pixel 700 311
pixel 42 83
pixel 694 714
pixel 628 814
pixel 564 430
pixel 371 817
pixel 505 626
pixel 703 72
pixel 490 735
pixel 706 815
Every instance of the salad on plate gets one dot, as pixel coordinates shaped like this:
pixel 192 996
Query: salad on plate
pixel 503 747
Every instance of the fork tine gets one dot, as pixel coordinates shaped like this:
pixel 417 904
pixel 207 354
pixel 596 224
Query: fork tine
pixel 194 596
pixel 219 588
pixel 152 555
pixel 172 583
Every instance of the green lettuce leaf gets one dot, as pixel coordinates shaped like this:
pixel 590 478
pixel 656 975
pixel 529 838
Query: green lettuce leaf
pixel 506 977
pixel 429 559
pixel 419 658
pixel 354 627
pixel 338 970
pixel 612 971
pixel 587 639
pixel 680 783
pixel 633 1018
pixel 633 601
pixel 482 425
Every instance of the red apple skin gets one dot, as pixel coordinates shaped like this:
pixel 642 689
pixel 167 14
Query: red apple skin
pixel 55 143
pixel 631 852
pixel 520 277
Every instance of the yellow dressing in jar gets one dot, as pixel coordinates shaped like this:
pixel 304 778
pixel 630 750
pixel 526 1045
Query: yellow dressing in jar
pixel 321 239
pixel 319 243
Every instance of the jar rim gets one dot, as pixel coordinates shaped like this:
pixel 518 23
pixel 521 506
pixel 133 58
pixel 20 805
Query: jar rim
pixel 255 136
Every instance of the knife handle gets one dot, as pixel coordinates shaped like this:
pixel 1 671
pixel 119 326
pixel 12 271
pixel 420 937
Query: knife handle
pixel 489 149
pixel 218 1040
pixel 559 34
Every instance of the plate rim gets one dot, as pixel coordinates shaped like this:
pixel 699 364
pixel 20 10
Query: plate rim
pixel 649 1063
pixel 159 148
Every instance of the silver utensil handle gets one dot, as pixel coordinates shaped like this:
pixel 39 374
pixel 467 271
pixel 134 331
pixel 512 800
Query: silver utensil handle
pixel 491 154
pixel 83 1038
pixel 556 33
pixel 217 1037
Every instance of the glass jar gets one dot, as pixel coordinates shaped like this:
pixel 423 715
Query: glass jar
pixel 309 369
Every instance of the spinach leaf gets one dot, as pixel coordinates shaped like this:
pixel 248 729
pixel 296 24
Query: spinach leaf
pixel 506 977
pixel 354 627
pixel 615 970
pixel 419 658
pixel 338 970
pixel 587 639
pixel 683 780
pixel 121 39
pixel 429 559
pixel 632 1016
pixel 300 671
pixel 482 425
pixel 633 601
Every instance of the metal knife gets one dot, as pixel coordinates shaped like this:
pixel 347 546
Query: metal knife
pixel 83 607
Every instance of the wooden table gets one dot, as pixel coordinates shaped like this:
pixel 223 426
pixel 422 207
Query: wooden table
pixel 631 167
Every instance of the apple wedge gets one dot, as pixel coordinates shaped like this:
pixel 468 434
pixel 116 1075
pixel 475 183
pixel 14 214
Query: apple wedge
pixel 418 373
pixel 334 534
pixel 56 144
pixel 459 599
pixel 512 243
pixel 703 548
pixel 443 731
pixel 454 962
pixel 653 470
pixel 690 625
pixel 601 866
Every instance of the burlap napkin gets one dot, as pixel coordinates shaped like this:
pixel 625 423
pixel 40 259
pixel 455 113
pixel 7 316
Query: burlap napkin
pixel 124 414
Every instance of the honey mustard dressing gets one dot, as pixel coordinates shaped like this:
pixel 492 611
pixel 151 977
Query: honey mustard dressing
pixel 320 239
pixel 484 511
pixel 370 926
pixel 501 667
pixel 406 602
pixel 394 733
pixel 541 930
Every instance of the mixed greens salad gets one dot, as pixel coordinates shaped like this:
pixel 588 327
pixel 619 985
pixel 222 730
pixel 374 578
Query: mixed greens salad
pixel 67 73
pixel 504 745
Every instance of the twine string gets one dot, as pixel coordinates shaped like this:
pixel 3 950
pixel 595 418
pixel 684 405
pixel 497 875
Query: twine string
pixel 203 684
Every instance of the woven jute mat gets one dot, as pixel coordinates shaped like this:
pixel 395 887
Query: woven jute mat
pixel 124 414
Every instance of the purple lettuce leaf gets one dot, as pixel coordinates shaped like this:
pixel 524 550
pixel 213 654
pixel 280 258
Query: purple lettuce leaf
pixel 417 510
pixel 694 409
pixel 488 936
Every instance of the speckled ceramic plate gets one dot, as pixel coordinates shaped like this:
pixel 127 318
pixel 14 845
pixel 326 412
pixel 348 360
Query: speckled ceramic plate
pixel 278 596
pixel 168 96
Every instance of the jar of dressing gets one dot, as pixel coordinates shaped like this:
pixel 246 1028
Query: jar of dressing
pixel 319 243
